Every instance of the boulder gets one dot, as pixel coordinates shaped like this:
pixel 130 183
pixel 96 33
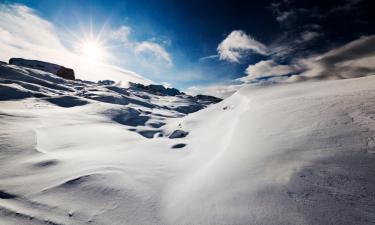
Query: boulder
pixel 66 73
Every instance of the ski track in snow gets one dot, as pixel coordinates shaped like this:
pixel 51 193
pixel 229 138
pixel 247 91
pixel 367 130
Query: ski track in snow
pixel 83 153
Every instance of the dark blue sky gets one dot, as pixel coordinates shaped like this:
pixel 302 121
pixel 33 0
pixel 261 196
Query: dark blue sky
pixel 190 30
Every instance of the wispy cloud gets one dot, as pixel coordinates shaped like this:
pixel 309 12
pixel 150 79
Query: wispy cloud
pixel 147 48
pixel 19 29
pixel 25 34
pixel 150 54
pixel 355 59
pixel 309 35
pixel 292 55
pixel 209 57
pixel 283 16
pixel 121 34
pixel 218 90
pixel 268 68
pixel 346 6
pixel 294 44
pixel 237 45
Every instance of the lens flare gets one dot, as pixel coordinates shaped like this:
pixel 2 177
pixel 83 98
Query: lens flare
pixel 92 50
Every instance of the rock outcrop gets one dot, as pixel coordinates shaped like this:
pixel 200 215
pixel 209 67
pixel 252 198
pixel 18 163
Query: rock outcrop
pixel 208 98
pixel 58 70
pixel 155 89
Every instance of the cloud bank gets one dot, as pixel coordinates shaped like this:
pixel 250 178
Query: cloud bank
pixel 355 59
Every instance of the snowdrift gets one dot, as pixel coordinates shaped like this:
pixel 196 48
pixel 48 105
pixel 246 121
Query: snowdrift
pixel 75 152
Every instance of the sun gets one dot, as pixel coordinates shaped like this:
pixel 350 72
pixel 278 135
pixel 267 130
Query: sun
pixel 92 50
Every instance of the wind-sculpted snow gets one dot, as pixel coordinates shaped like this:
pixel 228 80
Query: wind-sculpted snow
pixel 87 153
pixel 136 105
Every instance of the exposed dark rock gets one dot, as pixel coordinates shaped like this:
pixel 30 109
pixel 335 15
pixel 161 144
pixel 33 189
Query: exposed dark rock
pixel 67 101
pixel 208 98
pixel 189 109
pixel 106 82
pixel 155 89
pixel 149 133
pixel 5 195
pixel 178 134
pixel 66 73
pixel 181 145
pixel 12 93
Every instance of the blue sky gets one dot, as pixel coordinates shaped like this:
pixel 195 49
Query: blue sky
pixel 198 43
pixel 185 38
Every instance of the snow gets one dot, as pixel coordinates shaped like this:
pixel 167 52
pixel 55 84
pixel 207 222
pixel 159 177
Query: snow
pixel 44 66
pixel 75 152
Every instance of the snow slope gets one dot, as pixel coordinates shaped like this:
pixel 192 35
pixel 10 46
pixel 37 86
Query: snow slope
pixel 83 153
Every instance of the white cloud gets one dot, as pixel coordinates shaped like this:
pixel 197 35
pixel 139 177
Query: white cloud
pixel 147 47
pixel 147 57
pixel 18 25
pixel 345 6
pixel 355 59
pixel 282 16
pixel 268 68
pixel 309 35
pixel 237 44
pixel 24 34
pixel 166 85
pixel 219 90
pixel 121 34
pixel 209 57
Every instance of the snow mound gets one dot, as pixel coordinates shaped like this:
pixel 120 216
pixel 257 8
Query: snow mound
pixel 288 154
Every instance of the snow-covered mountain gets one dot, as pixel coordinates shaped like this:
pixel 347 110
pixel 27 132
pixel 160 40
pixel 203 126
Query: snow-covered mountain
pixel 144 108
pixel 77 152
